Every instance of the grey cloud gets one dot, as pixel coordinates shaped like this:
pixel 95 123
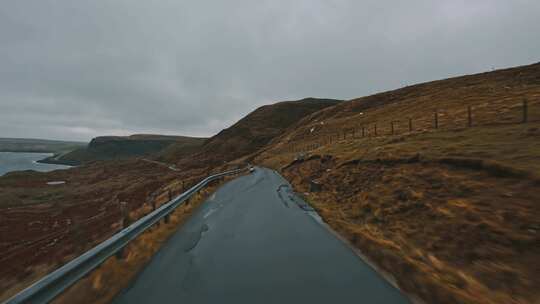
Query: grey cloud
pixel 78 69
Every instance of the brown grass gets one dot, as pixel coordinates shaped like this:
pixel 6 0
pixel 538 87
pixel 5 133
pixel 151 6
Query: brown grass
pixel 452 215
pixel 452 212
pixel 37 237
pixel 495 98
pixel 115 274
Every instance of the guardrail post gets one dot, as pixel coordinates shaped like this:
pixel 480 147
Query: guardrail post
pixel 120 254
pixel 169 194
pixel 469 116
pixel 166 219
pixel 154 205
pixel 525 110
pixel 436 116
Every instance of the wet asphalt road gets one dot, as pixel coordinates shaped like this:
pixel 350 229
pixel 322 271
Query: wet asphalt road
pixel 250 243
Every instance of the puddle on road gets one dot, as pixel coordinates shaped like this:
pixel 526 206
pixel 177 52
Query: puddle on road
pixel 195 237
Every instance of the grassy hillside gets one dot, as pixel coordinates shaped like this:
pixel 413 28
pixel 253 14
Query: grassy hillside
pixel 256 130
pixel 450 210
pixel 119 147
pixel 37 145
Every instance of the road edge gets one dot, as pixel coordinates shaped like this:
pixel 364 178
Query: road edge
pixel 311 212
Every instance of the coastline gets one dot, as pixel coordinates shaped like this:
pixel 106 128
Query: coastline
pixel 55 160
pixel 11 161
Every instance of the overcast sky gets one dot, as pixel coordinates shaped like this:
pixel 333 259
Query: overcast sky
pixel 79 69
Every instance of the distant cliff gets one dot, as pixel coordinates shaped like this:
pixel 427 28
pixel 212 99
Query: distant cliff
pixel 121 147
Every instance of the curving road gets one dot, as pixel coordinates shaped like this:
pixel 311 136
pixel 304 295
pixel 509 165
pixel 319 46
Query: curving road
pixel 253 241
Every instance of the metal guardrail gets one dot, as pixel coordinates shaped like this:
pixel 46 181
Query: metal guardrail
pixel 53 284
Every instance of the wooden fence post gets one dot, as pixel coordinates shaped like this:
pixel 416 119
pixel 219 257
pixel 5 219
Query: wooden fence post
pixel 525 110
pixel 469 116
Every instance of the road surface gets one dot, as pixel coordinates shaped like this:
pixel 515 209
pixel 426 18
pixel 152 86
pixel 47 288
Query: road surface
pixel 253 242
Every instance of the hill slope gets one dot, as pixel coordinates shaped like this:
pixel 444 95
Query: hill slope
pixel 256 129
pixel 448 207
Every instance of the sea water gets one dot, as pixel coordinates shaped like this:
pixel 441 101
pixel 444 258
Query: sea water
pixel 18 161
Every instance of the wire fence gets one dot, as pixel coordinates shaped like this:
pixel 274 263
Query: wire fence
pixel 503 112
